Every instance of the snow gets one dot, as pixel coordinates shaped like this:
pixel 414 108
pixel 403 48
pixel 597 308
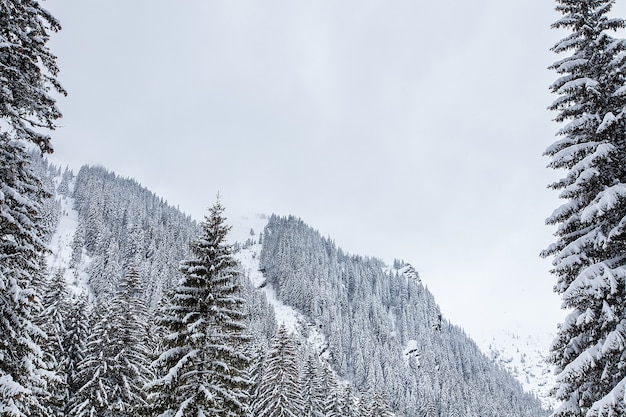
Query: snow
pixel 249 257
pixel 523 352
pixel 61 245
pixel 606 200
pixel 249 260
pixel 577 83
pixel 410 350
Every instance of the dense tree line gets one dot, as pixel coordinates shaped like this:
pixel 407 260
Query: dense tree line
pixel 365 369
pixel 370 315
pixel 121 223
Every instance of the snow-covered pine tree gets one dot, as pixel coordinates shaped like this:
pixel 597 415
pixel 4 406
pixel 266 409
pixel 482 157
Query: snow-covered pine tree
pixel 132 368
pixel 75 339
pixel 313 405
pixel 21 256
pixel 116 365
pixel 52 321
pixel 429 409
pixel 329 391
pixel 27 73
pixel 348 402
pixel 202 368
pixel 279 390
pixel 379 406
pixel 590 251
pixel 91 398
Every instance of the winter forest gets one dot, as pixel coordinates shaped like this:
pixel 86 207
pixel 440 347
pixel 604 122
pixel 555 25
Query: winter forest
pixel 113 302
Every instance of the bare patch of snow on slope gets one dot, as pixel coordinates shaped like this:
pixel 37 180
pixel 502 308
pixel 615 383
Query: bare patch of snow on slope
pixel 523 354
pixel 59 258
pixel 247 232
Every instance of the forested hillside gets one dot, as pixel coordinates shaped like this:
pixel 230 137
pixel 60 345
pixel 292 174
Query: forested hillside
pixel 367 336
pixel 376 328
pixel 384 328
pixel 121 223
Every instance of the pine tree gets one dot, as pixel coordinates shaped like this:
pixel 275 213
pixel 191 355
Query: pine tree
pixel 52 320
pixel 132 368
pixel 202 367
pixel 27 73
pixel 379 406
pixel 311 388
pixel 77 332
pixel 116 366
pixel 22 371
pixel 329 392
pixel 590 253
pixel 91 398
pixel 348 402
pixel 279 390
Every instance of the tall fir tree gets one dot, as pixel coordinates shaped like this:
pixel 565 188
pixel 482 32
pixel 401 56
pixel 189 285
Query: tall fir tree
pixel 116 364
pixel 27 73
pixel 590 251
pixel 379 406
pixel 311 388
pixel 77 332
pixel 279 393
pixel 52 321
pixel 202 368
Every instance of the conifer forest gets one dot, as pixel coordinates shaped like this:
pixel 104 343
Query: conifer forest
pixel 115 303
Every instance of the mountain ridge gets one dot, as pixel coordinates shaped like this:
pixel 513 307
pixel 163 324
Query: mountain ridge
pixel 306 319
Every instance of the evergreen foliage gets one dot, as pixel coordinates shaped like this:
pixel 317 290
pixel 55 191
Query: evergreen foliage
pixel 52 320
pixel 313 399
pixel 27 73
pixel 116 367
pixel 279 394
pixel 121 223
pixel 202 368
pixel 370 315
pixel 380 406
pixel 590 252
pixel 77 332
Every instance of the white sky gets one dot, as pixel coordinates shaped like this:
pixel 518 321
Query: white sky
pixel 404 129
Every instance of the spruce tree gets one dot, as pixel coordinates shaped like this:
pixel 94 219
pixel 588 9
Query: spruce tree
pixel 52 320
pixel 22 370
pixel 590 252
pixel 77 332
pixel 93 379
pixel 311 388
pixel 379 406
pixel 116 366
pixel 202 367
pixel 349 407
pixel 27 73
pixel 279 390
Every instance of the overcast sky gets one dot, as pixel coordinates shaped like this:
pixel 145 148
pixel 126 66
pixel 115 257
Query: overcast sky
pixel 402 129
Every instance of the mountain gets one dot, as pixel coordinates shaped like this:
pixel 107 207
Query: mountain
pixel 524 355
pixel 376 326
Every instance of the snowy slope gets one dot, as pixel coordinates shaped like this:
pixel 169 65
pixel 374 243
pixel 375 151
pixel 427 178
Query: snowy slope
pixel 520 353
pixel 248 229
pixel 523 353
pixel 60 244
